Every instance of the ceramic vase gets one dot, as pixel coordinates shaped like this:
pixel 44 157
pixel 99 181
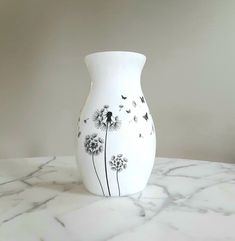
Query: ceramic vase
pixel 116 139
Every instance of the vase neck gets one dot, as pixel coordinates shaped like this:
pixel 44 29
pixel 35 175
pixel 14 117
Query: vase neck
pixel 115 66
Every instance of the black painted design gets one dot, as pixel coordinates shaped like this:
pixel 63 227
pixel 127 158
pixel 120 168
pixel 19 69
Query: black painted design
pixel 142 99
pixel 120 107
pixel 79 134
pixel 85 121
pixel 146 116
pixel 106 121
pixel 94 146
pixel 118 163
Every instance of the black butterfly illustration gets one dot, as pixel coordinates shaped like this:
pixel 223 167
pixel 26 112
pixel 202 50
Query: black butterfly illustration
pixel 123 97
pixel 146 116
pixel 128 111
pixel 142 99
pixel 85 121
pixel 134 103
pixel 120 107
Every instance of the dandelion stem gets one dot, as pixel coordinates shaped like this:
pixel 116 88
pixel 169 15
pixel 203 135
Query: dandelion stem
pixel 97 175
pixel 105 158
pixel 118 183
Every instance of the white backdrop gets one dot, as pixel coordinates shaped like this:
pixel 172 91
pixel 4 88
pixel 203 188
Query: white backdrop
pixel 188 80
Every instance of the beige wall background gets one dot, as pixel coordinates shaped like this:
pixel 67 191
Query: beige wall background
pixel 188 80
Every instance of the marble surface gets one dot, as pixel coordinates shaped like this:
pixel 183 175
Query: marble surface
pixel 42 199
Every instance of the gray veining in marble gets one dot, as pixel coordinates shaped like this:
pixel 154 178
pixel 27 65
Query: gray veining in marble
pixel 43 199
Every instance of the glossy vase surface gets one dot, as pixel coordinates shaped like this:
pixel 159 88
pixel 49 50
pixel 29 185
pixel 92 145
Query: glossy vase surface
pixel 116 139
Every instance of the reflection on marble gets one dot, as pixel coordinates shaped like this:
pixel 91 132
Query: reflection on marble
pixel 42 199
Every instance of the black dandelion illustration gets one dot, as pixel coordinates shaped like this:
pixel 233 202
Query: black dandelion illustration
pixel 118 163
pixel 94 146
pixel 106 121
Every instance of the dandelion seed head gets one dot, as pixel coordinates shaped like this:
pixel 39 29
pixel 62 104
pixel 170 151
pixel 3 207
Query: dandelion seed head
pixel 93 144
pixel 104 119
pixel 118 163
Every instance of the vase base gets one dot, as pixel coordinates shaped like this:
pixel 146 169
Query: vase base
pixel 116 195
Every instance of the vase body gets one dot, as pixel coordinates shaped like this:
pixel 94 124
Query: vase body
pixel 116 139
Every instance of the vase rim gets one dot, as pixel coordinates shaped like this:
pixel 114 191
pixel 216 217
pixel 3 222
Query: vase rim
pixel 115 52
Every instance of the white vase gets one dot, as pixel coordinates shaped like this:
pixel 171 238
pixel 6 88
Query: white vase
pixel 116 136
